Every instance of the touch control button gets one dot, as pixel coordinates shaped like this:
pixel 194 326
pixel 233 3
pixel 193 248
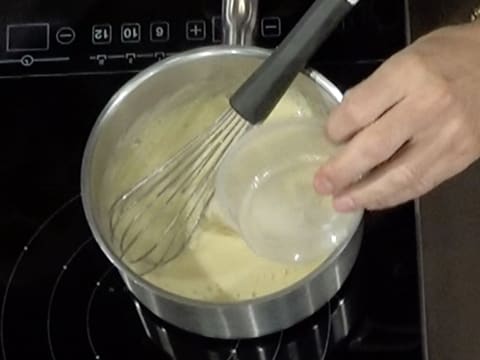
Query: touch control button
pixel 102 34
pixel 65 35
pixel 159 31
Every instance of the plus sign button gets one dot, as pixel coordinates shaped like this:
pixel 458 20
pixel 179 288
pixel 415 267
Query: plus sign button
pixel 196 30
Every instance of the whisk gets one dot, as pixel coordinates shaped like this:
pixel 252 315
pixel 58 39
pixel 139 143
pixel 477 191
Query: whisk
pixel 180 189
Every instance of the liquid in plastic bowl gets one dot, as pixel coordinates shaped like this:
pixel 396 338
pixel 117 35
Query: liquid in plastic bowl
pixel 265 186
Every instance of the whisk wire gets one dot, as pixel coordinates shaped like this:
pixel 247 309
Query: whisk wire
pixel 186 178
pixel 169 255
pixel 146 184
pixel 192 176
pixel 149 183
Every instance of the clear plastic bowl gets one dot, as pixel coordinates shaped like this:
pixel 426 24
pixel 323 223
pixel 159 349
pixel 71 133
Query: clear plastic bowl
pixel 265 185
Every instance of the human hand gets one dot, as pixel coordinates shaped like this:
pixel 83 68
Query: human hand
pixel 414 123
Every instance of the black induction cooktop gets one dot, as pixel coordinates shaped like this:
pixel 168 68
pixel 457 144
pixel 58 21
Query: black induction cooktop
pixel 60 298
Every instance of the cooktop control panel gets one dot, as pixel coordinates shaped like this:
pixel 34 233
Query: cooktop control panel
pixel 83 36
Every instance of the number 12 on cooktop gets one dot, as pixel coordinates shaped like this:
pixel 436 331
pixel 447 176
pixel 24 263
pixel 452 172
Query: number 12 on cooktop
pixel 101 34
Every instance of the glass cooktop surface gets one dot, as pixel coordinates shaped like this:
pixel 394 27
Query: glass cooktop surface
pixel 60 297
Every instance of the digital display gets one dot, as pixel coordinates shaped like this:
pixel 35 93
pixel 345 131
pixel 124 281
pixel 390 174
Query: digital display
pixel 27 37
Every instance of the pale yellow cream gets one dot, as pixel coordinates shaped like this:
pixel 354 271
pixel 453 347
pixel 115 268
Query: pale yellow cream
pixel 216 265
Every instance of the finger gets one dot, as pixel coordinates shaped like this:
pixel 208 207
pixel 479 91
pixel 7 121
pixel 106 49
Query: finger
pixel 376 188
pixel 447 164
pixel 366 102
pixel 367 149
pixel 432 177
pixel 414 170
pixel 429 158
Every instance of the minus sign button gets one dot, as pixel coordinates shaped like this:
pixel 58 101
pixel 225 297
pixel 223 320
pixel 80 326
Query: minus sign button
pixel 65 36
pixel 271 27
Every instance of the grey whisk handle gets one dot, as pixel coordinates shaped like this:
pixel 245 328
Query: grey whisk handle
pixel 257 96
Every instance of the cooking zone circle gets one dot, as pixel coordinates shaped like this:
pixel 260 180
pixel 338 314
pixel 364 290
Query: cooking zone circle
pixel 80 308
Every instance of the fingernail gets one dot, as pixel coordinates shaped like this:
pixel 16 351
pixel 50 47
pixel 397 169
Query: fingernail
pixel 344 204
pixel 323 185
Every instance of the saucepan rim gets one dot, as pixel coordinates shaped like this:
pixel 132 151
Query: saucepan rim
pixel 88 160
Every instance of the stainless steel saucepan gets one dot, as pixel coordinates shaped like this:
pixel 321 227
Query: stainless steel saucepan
pixel 218 65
